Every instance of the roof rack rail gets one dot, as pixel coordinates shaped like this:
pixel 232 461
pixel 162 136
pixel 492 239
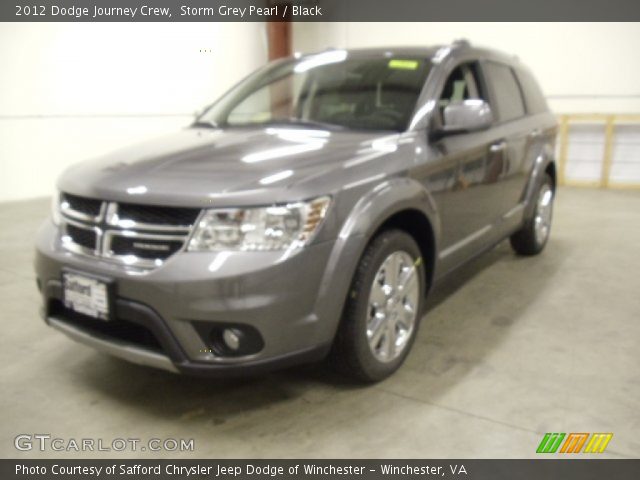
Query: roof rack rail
pixel 461 42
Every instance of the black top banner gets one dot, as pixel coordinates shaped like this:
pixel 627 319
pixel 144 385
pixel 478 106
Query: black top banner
pixel 317 10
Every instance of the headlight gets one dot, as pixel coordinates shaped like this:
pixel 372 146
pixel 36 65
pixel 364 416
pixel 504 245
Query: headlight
pixel 55 208
pixel 266 228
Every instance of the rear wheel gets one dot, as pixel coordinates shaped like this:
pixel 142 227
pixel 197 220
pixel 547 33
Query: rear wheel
pixel 532 237
pixel 383 310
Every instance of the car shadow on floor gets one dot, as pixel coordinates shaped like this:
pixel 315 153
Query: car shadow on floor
pixel 472 312
pixel 441 356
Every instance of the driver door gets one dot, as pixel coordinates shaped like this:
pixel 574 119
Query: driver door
pixel 471 207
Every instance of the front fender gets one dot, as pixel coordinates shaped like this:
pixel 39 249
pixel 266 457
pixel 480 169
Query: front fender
pixel 370 212
pixel 385 200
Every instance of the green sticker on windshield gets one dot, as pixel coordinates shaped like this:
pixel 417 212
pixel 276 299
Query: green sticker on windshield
pixel 404 64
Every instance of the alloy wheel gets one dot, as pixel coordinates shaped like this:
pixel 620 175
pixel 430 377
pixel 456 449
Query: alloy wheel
pixel 544 209
pixel 393 306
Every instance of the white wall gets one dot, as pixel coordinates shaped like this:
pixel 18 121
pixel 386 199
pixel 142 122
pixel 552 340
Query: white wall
pixel 583 67
pixel 73 91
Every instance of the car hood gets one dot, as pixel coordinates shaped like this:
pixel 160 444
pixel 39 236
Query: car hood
pixel 201 166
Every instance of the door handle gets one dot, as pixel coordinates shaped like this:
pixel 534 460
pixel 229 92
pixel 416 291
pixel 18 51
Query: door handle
pixel 498 147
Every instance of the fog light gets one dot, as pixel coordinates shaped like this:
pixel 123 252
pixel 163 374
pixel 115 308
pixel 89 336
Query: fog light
pixel 231 338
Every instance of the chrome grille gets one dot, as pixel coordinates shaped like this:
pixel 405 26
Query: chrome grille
pixel 85 237
pixel 81 208
pixel 141 245
pixel 158 216
pixel 131 234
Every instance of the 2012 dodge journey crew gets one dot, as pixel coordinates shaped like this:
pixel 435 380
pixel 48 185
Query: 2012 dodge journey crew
pixel 306 214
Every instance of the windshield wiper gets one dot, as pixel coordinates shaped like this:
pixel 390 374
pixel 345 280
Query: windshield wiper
pixel 205 124
pixel 307 123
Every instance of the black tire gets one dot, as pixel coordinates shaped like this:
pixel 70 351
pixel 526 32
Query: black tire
pixel 351 353
pixel 525 241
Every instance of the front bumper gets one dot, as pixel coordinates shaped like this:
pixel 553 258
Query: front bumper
pixel 293 301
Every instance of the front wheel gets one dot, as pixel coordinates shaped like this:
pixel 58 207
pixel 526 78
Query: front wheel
pixel 383 310
pixel 533 236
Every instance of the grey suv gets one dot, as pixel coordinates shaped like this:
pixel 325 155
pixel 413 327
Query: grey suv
pixel 304 215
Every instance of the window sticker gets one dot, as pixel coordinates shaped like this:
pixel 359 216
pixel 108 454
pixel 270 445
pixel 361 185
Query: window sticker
pixel 403 64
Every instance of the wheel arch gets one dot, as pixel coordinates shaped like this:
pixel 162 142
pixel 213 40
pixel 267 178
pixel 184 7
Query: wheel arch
pixel 401 203
pixel 544 164
pixel 418 226
pixel 550 169
pixel 397 203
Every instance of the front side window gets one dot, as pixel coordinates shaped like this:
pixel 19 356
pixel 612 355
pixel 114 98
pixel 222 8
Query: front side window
pixel 330 89
pixel 462 84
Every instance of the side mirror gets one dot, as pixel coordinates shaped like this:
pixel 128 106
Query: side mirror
pixel 467 116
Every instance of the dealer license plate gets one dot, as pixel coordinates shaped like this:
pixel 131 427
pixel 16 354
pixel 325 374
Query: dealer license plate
pixel 86 295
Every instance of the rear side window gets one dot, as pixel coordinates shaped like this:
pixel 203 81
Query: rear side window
pixel 533 96
pixel 507 98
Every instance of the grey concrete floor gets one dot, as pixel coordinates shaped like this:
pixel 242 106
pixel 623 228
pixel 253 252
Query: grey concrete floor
pixel 510 348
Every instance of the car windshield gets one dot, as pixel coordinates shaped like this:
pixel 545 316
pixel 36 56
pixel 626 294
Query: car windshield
pixel 330 90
